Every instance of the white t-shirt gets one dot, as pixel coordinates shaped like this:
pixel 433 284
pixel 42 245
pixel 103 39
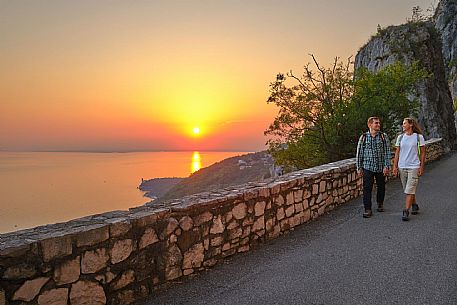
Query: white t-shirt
pixel 409 157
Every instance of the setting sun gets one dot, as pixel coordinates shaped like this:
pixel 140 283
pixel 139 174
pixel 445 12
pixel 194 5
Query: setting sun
pixel 196 130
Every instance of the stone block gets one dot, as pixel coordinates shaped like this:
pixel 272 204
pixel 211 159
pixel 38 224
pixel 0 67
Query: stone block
pixel 246 231
pixel 322 186
pixel 210 262
pixel 87 292
pixel 264 192
pixel 92 237
pixel 235 233
pixel 251 194
pixel 125 279
pixel 239 211
pixel 280 214
pixel 248 221
pixel 124 297
pixel 121 250
pixel 298 207
pixel 194 257
pixel 290 198
pixel 186 223
pixel 188 271
pixel 218 226
pixel 22 271
pixel 279 200
pixel 56 247
pixel 226 246
pixel 67 272
pixel 173 224
pixel 307 194
pixel 233 225
pixel 259 224
pixel 202 218
pixel 259 208
pixel 172 272
pixel 95 260
pixel 217 241
pixel 30 289
pixel 229 252
pixel 120 228
pixel 315 189
pixel 148 238
pixel 173 256
pixel 275 188
pixel 53 297
pixel 290 211
pixel 228 217
pixel 269 224
pixel 298 196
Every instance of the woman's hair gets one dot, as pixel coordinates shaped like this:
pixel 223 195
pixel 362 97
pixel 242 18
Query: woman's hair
pixel 413 122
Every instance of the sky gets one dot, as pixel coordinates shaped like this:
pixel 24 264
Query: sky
pixel 164 75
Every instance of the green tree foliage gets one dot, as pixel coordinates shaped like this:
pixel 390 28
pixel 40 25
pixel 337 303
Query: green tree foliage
pixel 323 112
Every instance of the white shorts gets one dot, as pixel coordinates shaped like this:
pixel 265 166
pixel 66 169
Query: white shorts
pixel 409 180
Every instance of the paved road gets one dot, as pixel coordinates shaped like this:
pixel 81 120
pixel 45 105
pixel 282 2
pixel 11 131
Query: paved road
pixel 342 258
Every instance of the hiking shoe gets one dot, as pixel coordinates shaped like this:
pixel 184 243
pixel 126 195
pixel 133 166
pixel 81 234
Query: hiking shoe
pixel 380 207
pixel 415 209
pixel 405 216
pixel 367 214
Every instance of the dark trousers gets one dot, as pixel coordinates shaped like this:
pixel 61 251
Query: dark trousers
pixel 368 180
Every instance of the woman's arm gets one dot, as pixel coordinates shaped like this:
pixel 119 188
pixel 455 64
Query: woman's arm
pixel 422 160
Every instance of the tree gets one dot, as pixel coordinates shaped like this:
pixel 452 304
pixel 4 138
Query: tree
pixel 323 112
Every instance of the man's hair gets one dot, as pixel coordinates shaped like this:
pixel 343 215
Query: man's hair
pixel 373 118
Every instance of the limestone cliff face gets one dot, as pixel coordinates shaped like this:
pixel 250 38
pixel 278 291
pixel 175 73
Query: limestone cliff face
pixel 446 23
pixel 418 41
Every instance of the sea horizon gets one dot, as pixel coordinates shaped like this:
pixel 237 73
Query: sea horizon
pixel 43 187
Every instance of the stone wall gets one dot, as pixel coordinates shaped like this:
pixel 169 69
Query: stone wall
pixel 122 256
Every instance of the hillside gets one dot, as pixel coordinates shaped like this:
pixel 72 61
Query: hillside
pixel 228 172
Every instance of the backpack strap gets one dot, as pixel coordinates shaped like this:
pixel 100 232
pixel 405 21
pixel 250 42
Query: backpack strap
pixel 418 146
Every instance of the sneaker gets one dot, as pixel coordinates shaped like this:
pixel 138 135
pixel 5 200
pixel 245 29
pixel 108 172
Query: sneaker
pixel 380 207
pixel 415 209
pixel 405 216
pixel 367 214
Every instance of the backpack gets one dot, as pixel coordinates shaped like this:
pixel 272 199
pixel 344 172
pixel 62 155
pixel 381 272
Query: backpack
pixel 418 144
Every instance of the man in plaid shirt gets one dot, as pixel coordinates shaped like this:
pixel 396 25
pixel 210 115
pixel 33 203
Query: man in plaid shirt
pixel 373 162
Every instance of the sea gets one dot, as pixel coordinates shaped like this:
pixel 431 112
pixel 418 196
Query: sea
pixel 39 188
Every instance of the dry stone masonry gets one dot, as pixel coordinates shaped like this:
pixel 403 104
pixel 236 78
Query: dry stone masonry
pixel 122 256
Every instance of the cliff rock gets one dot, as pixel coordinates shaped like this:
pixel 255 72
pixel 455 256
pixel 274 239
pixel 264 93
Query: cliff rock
pixel 417 41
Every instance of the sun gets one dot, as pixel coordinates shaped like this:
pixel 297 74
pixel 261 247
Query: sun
pixel 196 130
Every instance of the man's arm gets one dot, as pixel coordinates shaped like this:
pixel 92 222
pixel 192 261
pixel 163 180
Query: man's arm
pixel 387 155
pixel 358 155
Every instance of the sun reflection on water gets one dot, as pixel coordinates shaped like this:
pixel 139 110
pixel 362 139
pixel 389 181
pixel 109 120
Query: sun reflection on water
pixel 196 162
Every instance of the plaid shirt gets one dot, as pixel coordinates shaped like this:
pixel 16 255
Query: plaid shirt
pixel 373 154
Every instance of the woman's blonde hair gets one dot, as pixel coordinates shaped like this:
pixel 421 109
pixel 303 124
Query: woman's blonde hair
pixel 413 122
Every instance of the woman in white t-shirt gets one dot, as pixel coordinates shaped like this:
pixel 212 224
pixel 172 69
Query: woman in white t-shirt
pixel 409 162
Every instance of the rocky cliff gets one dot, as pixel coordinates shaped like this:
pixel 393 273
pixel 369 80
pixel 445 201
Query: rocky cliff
pixel 446 24
pixel 417 41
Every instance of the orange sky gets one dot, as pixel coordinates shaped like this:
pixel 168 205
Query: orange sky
pixel 140 75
